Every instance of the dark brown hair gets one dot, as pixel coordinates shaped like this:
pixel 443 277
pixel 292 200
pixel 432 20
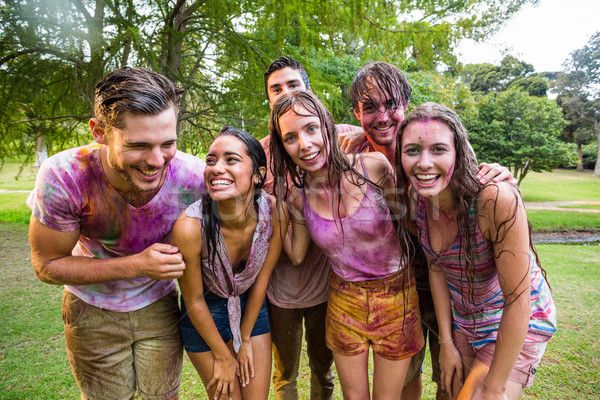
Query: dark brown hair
pixel 135 90
pixel 386 79
pixel 286 62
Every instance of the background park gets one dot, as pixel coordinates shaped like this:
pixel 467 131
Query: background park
pixel 543 125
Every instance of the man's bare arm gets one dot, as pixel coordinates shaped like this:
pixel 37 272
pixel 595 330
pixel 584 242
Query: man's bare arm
pixel 53 263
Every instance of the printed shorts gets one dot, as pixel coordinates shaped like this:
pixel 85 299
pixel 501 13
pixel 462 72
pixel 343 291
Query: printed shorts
pixel 382 313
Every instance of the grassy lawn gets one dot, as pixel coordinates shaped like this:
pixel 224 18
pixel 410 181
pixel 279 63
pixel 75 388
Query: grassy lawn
pixel 551 221
pixel 560 185
pixel 33 362
pixel 16 176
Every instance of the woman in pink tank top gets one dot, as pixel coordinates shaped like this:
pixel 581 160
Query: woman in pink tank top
pixel 338 201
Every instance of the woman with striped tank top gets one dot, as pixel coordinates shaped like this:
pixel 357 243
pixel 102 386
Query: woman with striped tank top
pixel 493 304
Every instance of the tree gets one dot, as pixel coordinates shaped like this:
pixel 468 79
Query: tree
pixel 218 51
pixel 510 74
pixel 518 131
pixel 579 89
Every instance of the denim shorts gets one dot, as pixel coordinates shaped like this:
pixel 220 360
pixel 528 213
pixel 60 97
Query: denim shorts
pixel 193 342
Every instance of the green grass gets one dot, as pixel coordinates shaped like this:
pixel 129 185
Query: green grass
pixel 551 221
pixel 13 208
pixel 16 176
pixel 560 185
pixel 33 362
pixel 571 366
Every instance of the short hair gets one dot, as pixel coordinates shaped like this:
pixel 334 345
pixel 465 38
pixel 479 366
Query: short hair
pixel 285 62
pixel 135 90
pixel 390 83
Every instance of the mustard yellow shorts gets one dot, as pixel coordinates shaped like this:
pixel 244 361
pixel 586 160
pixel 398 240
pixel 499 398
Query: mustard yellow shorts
pixel 382 313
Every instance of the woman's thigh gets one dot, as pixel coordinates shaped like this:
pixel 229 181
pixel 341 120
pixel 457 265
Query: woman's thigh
pixel 388 377
pixel 204 364
pixel 258 388
pixel 353 374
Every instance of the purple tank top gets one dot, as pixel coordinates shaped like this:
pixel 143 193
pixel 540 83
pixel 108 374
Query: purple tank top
pixel 362 246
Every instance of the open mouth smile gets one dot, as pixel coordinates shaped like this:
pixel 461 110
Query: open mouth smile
pixel 149 172
pixel 427 179
pixel 221 183
pixel 310 157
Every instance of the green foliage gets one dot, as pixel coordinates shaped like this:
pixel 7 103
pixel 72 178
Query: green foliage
pixel 431 86
pixel 578 91
pixel 510 74
pixel 535 85
pixel 518 131
pixel 52 52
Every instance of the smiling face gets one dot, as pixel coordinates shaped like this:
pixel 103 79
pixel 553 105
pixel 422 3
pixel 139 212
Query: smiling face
pixel 283 81
pixel 379 119
pixel 228 172
pixel 138 155
pixel 302 139
pixel 428 157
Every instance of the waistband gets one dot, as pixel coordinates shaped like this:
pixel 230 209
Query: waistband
pixel 394 280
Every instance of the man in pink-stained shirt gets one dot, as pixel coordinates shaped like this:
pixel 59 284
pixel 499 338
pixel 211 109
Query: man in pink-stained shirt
pixel 101 221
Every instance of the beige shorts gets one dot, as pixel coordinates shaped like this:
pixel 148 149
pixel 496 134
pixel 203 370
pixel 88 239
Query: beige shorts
pixel 113 353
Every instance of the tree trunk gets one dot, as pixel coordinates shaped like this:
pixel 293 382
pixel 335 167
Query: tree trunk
pixel 41 151
pixel 579 157
pixel 597 167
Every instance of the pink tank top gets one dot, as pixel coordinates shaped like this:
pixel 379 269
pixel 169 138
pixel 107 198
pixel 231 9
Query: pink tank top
pixel 362 246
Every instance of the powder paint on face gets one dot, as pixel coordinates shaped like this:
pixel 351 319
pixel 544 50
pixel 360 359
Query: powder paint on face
pixel 450 173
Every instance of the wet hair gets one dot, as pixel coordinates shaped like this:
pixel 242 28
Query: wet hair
pixel 135 90
pixel 286 62
pixel 211 219
pixel 463 183
pixel 387 80
pixel 282 164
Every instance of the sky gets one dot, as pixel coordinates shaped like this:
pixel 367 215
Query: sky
pixel 543 36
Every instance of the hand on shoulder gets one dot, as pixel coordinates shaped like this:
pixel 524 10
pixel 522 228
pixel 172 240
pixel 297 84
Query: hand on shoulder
pixel 378 167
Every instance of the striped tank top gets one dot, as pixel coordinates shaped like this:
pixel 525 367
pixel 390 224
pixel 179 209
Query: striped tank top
pixel 480 320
